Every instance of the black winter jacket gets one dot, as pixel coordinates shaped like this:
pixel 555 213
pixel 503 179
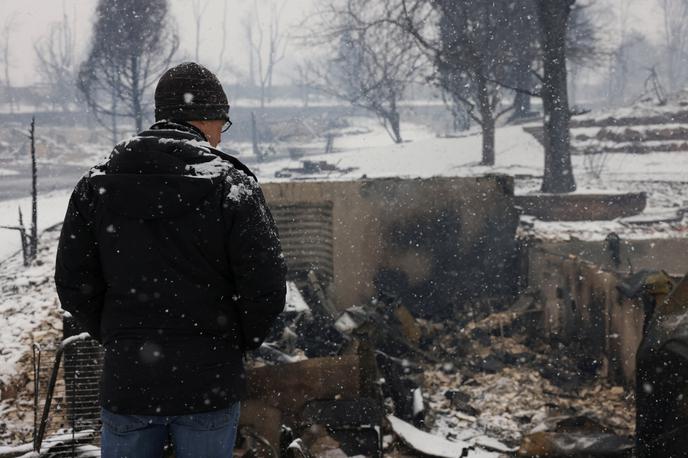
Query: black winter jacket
pixel 170 258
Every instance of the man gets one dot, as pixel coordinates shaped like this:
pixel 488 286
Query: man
pixel 170 258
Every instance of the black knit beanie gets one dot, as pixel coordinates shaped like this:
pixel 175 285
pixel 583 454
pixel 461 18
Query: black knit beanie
pixel 190 92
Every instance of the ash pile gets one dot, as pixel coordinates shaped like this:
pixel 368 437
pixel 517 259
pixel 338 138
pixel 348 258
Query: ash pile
pixel 375 379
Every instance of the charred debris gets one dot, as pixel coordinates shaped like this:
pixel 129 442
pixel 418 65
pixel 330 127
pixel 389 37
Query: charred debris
pixel 375 380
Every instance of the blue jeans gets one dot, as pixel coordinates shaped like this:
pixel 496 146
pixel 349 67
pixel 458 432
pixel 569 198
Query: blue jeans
pixel 199 435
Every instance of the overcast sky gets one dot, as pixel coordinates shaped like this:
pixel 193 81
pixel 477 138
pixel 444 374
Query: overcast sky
pixel 33 17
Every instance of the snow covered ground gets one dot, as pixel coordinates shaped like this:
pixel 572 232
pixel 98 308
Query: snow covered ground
pixel 518 153
pixel 29 313
pixel 28 307
pixel 422 155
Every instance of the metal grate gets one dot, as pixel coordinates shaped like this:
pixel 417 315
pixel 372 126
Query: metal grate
pixel 67 408
pixel 306 234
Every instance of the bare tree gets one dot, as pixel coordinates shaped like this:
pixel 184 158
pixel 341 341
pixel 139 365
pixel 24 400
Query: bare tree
pixel 248 32
pixel 474 50
pixel 100 84
pixel 524 54
pixel 619 57
pixel 471 44
pixel 675 22
pixel 223 44
pixel 57 61
pixel 199 7
pixel 29 242
pixel 468 42
pixel 6 57
pixel 582 44
pixel 620 67
pixel 369 62
pixel 267 47
pixel 134 42
pixel 225 66
pixel 304 81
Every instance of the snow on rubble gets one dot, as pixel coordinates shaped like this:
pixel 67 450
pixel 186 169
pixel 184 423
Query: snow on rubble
pixel 480 382
pixel 29 312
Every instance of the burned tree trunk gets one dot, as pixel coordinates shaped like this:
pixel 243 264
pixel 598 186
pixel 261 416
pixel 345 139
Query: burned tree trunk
pixel 34 193
pixel 487 121
pixel 558 174
pixel 29 242
pixel 24 239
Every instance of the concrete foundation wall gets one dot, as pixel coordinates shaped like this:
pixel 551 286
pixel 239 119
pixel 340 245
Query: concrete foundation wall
pixel 428 241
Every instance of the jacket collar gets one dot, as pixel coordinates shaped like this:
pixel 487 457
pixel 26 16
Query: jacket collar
pixel 183 126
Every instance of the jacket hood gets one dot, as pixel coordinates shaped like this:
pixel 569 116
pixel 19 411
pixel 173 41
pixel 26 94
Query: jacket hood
pixel 163 172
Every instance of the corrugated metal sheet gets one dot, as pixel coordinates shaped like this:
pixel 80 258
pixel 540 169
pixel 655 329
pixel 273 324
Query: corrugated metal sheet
pixel 306 235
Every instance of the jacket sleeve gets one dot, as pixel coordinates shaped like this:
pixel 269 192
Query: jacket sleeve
pixel 78 274
pixel 256 261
